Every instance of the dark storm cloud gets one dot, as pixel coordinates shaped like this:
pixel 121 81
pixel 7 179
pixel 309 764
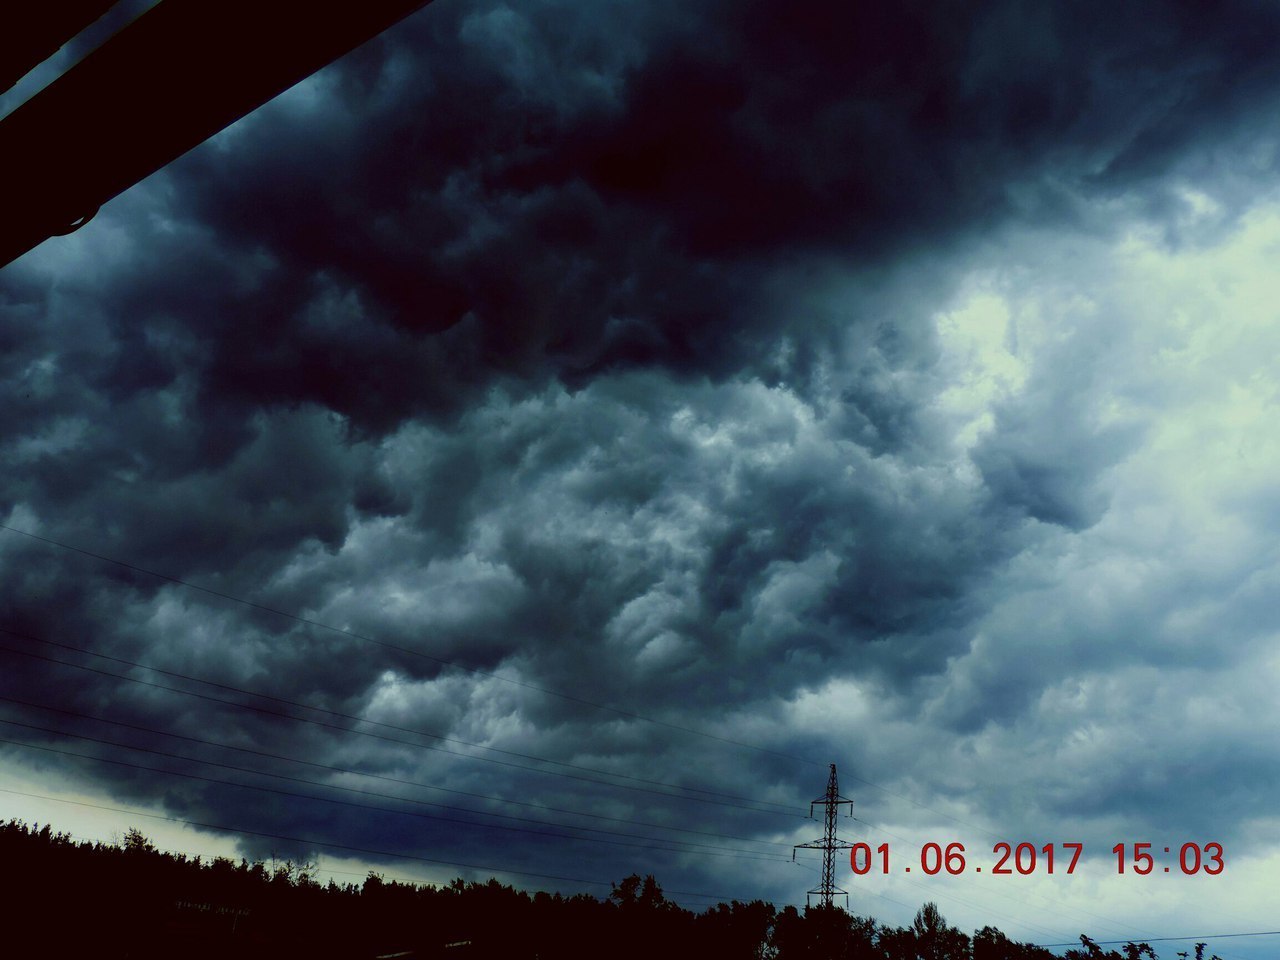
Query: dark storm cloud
pixel 574 188
pixel 635 544
pixel 590 345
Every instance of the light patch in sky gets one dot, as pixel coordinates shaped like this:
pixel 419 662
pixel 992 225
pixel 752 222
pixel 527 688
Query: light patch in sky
pixel 979 340
pixel 1131 659
pixel 33 798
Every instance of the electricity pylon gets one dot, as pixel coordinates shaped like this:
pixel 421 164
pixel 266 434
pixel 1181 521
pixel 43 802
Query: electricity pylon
pixel 829 843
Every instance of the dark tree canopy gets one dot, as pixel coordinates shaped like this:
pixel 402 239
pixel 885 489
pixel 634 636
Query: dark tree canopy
pixel 132 900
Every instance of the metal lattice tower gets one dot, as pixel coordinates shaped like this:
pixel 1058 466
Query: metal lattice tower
pixel 829 843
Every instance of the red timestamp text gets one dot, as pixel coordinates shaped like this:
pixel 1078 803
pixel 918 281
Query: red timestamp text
pixel 1027 858
pixel 1192 858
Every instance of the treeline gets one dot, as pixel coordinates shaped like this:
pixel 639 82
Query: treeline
pixel 78 899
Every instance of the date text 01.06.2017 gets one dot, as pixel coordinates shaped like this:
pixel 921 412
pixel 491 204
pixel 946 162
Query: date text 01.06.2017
pixel 1027 858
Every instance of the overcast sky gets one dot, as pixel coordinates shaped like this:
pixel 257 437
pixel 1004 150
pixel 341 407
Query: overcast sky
pixel 891 385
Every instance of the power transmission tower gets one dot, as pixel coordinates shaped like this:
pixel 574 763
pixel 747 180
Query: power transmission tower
pixel 829 843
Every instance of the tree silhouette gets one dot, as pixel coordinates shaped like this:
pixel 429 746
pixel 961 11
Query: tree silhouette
pixel 129 900
pixel 934 939
pixel 990 944
pixel 136 842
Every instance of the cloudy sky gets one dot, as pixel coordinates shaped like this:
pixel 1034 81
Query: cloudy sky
pixel 543 441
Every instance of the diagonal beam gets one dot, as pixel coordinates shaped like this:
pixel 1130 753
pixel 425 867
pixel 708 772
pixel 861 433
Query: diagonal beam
pixel 167 82
pixel 32 32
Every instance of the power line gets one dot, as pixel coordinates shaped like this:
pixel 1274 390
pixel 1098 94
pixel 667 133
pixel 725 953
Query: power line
pixel 375 736
pixel 342 846
pixel 406 650
pixel 396 780
pixel 1207 937
pixel 378 723
pixel 733 854
pixel 329 786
